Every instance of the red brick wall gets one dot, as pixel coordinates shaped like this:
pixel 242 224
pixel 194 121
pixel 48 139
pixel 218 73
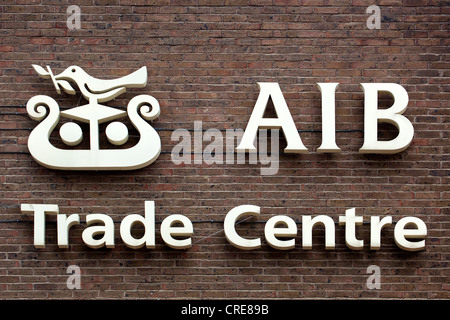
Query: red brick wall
pixel 204 59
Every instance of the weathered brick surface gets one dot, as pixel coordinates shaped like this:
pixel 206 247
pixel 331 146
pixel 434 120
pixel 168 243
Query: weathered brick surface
pixel 204 59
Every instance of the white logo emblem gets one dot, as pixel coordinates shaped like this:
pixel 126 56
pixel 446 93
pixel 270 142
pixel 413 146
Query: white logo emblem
pixel 96 91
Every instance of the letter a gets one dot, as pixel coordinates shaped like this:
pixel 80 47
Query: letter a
pixel 74 21
pixel 374 21
pixel 284 120
pixel 374 281
pixel 74 280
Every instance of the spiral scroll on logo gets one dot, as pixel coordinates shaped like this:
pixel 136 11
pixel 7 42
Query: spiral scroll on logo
pixel 140 109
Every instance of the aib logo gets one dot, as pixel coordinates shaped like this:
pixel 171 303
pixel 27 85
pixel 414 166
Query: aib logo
pixel 140 109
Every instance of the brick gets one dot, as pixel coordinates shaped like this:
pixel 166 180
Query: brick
pixel 204 59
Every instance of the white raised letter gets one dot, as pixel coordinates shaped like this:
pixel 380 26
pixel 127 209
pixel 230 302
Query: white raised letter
pixel 39 211
pixel 328 118
pixel 284 120
pixel 64 223
pixel 307 226
pixel 230 232
pixel 149 226
pixel 401 234
pixel 375 230
pixel 167 231
pixel 107 230
pixel 351 221
pixel 272 231
pixel 392 115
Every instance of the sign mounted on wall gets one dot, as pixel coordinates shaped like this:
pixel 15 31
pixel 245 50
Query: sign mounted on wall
pixel 148 148
pixel 96 91
pixel 372 115
pixel 276 229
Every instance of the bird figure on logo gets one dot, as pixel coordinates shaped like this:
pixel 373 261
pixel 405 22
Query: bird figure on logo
pixel 95 91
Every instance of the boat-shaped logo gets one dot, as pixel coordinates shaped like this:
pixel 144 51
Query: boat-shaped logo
pixel 140 109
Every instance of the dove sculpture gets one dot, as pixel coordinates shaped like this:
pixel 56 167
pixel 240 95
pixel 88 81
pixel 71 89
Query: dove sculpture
pixel 94 89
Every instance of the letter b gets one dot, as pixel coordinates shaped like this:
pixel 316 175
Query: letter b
pixel 392 115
